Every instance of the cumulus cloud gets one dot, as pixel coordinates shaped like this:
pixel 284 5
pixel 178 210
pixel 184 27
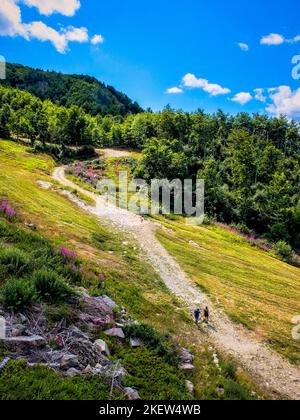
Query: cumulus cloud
pixel 285 101
pixel 174 90
pixel 97 39
pixel 48 7
pixel 191 81
pixel 11 23
pixel 272 39
pixel 278 39
pixel 10 18
pixel 259 95
pixel 243 46
pixel 242 98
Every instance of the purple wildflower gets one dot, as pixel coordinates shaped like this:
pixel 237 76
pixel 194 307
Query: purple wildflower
pixel 7 210
pixel 67 254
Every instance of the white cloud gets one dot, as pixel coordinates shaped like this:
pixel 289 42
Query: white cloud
pixel 242 98
pixel 11 23
pixel 48 7
pixel 285 101
pixel 76 34
pixel 174 90
pixel 191 81
pixel 10 18
pixel 272 39
pixel 97 39
pixel 259 95
pixel 243 46
pixel 277 39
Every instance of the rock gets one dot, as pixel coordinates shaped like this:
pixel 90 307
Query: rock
pixel 115 332
pixel 185 356
pixel 73 372
pixel 102 347
pixel 69 361
pixel 4 363
pixel 21 344
pixel 190 387
pixel 86 352
pixel 136 342
pixel 132 394
pixel 187 367
pixel 220 391
pixel 88 370
pixel 99 306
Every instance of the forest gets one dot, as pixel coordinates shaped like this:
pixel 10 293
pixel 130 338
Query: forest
pixel 86 92
pixel 250 163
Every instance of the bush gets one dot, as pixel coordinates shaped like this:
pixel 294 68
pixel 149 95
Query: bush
pixel 17 295
pixel 155 341
pixel 14 261
pixel 283 250
pixel 241 227
pixel 50 287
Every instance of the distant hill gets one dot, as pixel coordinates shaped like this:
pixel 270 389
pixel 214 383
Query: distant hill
pixel 87 92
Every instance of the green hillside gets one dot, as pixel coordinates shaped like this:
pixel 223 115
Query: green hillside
pixel 67 90
pixel 118 272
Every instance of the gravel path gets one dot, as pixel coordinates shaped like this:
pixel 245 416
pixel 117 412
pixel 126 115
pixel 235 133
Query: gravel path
pixel 270 370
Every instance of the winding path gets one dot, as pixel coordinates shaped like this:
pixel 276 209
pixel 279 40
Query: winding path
pixel 268 369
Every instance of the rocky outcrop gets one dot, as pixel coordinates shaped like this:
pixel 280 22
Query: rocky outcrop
pixel 23 344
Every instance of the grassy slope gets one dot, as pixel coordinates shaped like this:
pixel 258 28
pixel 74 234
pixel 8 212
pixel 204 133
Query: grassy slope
pixel 129 281
pixel 254 288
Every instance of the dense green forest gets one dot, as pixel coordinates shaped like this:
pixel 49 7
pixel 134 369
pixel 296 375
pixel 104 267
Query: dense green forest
pixel 86 92
pixel 251 164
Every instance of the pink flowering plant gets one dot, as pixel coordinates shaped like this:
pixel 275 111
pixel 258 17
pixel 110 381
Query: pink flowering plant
pixel 7 210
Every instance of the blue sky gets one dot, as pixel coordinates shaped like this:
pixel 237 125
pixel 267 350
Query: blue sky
pixel 145 48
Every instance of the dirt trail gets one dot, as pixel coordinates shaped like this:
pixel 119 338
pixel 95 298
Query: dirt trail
pixel 269 369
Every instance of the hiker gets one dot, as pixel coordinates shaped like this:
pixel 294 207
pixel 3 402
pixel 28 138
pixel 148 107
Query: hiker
pixel 197 315
pixel 206 315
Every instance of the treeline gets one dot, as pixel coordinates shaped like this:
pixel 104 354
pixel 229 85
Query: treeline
pixel 251 164
pixel 86 92
pixel 24 116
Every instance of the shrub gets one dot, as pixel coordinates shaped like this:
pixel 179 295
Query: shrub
pixel 15 262
pixel 17 295
pixel 283 250
pixel 50 287
pixel 154 340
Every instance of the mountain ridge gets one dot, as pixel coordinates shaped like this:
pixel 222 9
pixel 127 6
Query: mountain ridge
pixel 92 95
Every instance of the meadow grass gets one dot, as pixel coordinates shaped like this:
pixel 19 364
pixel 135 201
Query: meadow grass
pixel 253 287
pixel 116 268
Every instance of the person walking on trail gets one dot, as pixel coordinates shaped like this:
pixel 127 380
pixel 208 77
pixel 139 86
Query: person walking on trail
pixel 197 315
pixel 206 315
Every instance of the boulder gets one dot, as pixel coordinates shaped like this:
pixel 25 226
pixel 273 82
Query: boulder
pixel 190 387
pixel 131 394
pixel 86 352
pixel 136 342
pixel 187 367
pixel 185 356
pixel 115 332
pixel 23 344
pixel 102 347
